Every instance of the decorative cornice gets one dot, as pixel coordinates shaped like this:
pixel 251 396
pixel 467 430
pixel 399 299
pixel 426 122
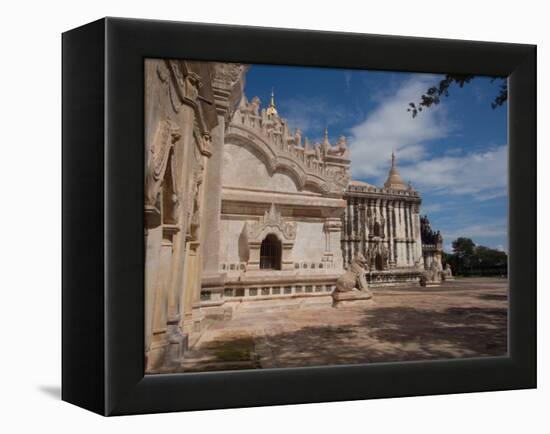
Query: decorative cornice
pixel 323 166
pixel 372 192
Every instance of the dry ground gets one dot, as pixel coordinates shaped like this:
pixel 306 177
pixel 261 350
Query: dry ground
pixel 463 318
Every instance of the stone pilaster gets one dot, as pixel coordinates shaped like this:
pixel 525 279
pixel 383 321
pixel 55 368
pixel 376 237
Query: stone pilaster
pixel 391 247
pixel 212 278
pixel 417 237
pixel 363 231
pixel 383 213
pixel 343 242
pixel 401 234
pixel 411 234
pixel 407 232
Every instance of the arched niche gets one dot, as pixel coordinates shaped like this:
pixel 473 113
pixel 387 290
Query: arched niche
pixel 270 226
pixel 270 253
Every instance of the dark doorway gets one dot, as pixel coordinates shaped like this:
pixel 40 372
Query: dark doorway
pixel 379 262
pixel 270 253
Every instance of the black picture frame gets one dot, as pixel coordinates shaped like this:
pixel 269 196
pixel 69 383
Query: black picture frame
pixel 103 252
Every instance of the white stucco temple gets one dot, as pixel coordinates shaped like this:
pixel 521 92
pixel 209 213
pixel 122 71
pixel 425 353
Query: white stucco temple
pixel 241 211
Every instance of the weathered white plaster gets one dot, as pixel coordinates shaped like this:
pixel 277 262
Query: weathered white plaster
pixel 245 167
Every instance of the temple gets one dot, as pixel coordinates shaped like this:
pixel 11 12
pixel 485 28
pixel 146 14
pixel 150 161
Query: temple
pixel 242 212
pixel 383 223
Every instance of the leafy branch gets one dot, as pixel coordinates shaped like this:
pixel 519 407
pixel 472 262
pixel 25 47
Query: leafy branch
pixel 434 94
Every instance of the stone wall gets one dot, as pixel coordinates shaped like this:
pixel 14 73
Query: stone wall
pixel 182 134
pixel 246 167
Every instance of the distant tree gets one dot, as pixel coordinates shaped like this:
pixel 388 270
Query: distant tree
pixel 467 259
pixel 463 252
pixel 433 94
pixel 463 247
pixel 490 258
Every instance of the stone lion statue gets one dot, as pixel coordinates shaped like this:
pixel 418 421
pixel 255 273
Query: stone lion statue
pixel 447 273
pixel 432 274
pixel 354 277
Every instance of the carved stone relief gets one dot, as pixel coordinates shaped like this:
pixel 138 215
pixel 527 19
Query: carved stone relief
pixel 166 135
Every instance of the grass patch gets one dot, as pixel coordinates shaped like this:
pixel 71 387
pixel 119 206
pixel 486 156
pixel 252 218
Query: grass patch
pixel 236 355
pixel 232 348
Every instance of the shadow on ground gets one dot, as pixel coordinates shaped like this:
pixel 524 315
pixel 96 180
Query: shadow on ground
pixel 464 319
pixel 476 330
pixel 394 334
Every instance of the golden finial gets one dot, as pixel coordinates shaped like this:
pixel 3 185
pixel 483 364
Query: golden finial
pixel 272 110
pixel 326 142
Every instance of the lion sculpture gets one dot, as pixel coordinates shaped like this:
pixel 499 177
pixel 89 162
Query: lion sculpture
pixel 354 277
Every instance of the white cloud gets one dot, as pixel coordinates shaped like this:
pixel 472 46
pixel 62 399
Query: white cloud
pixel 495 229
pixel 482 175
pixel 390 127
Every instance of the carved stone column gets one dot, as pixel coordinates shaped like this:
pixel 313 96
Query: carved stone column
pixel 227 87
pixel 411 234
pixel 391 246
pixel 406 221
pixel 363 226
pixel 384 227
pixel 418 241
pixel 355 226
pixel 344 239
pixel 212 278
pixel 401 261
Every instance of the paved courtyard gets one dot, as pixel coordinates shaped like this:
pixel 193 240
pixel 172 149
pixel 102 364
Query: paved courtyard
pixel 462 318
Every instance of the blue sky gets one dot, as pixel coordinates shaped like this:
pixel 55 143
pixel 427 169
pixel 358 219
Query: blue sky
pixel 454 154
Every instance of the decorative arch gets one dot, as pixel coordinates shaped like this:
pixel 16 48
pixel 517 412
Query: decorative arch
pixel 272 225
pixel 277 161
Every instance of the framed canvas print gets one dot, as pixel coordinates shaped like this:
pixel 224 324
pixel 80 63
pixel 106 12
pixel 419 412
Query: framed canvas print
pixel 258 216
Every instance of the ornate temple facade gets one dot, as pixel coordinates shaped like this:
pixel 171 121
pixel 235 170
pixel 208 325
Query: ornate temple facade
pixel 384 225
pixel 241 211
pixel 282 199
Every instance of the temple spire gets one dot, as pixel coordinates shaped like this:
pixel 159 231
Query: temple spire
pixel 394 180
pixel 326 142
pixel 272 110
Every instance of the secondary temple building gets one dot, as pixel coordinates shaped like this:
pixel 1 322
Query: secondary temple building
pixel 242 211
pixel 384 225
